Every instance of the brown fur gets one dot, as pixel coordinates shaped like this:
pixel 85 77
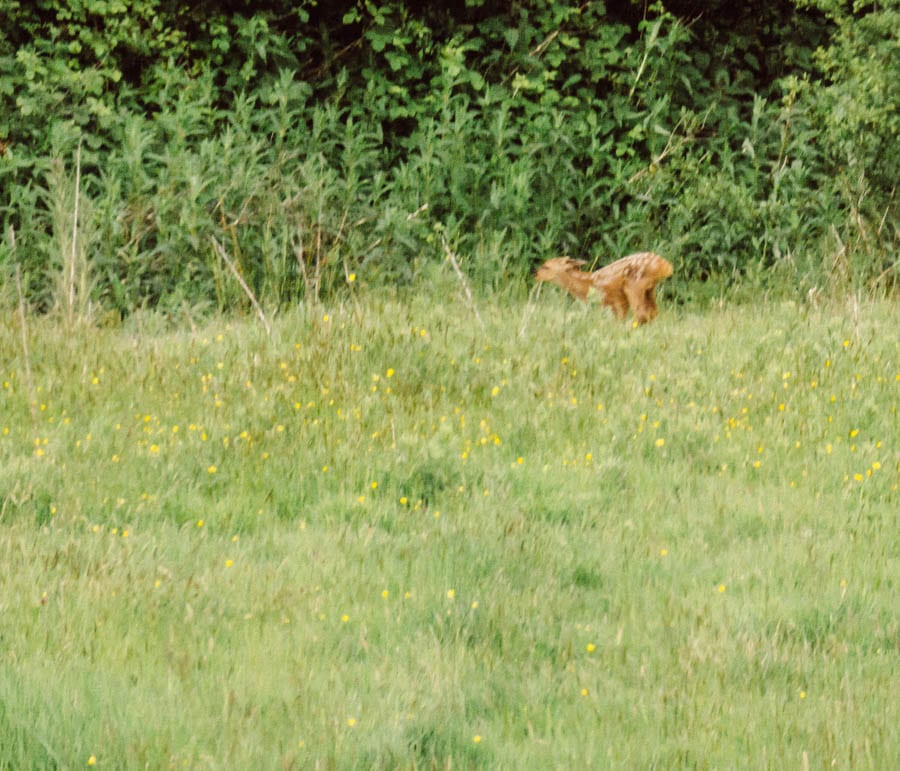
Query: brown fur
pixel 625 284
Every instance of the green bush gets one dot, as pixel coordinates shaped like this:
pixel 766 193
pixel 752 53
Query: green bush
pixel 854 106
pixel 368 139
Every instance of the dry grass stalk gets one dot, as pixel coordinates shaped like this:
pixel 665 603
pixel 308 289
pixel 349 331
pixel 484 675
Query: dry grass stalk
pixel 220 250
pixel 451 257
pixel 29 380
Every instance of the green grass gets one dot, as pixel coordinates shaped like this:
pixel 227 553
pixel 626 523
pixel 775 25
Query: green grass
pixel 389 538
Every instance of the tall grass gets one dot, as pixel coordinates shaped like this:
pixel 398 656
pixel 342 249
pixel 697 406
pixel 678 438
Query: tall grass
pixel 386 537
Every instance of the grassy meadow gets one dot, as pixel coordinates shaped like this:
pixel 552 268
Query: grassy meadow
pixel 391 536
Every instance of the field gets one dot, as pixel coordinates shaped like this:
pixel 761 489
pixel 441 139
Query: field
pixel 391 536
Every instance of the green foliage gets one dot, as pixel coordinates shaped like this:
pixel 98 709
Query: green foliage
pixel 314 143
pixel 754 194
pixel 857 104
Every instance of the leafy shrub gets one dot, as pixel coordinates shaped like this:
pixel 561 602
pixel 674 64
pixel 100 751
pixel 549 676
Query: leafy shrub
pixel 369 138
pixel 855 108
